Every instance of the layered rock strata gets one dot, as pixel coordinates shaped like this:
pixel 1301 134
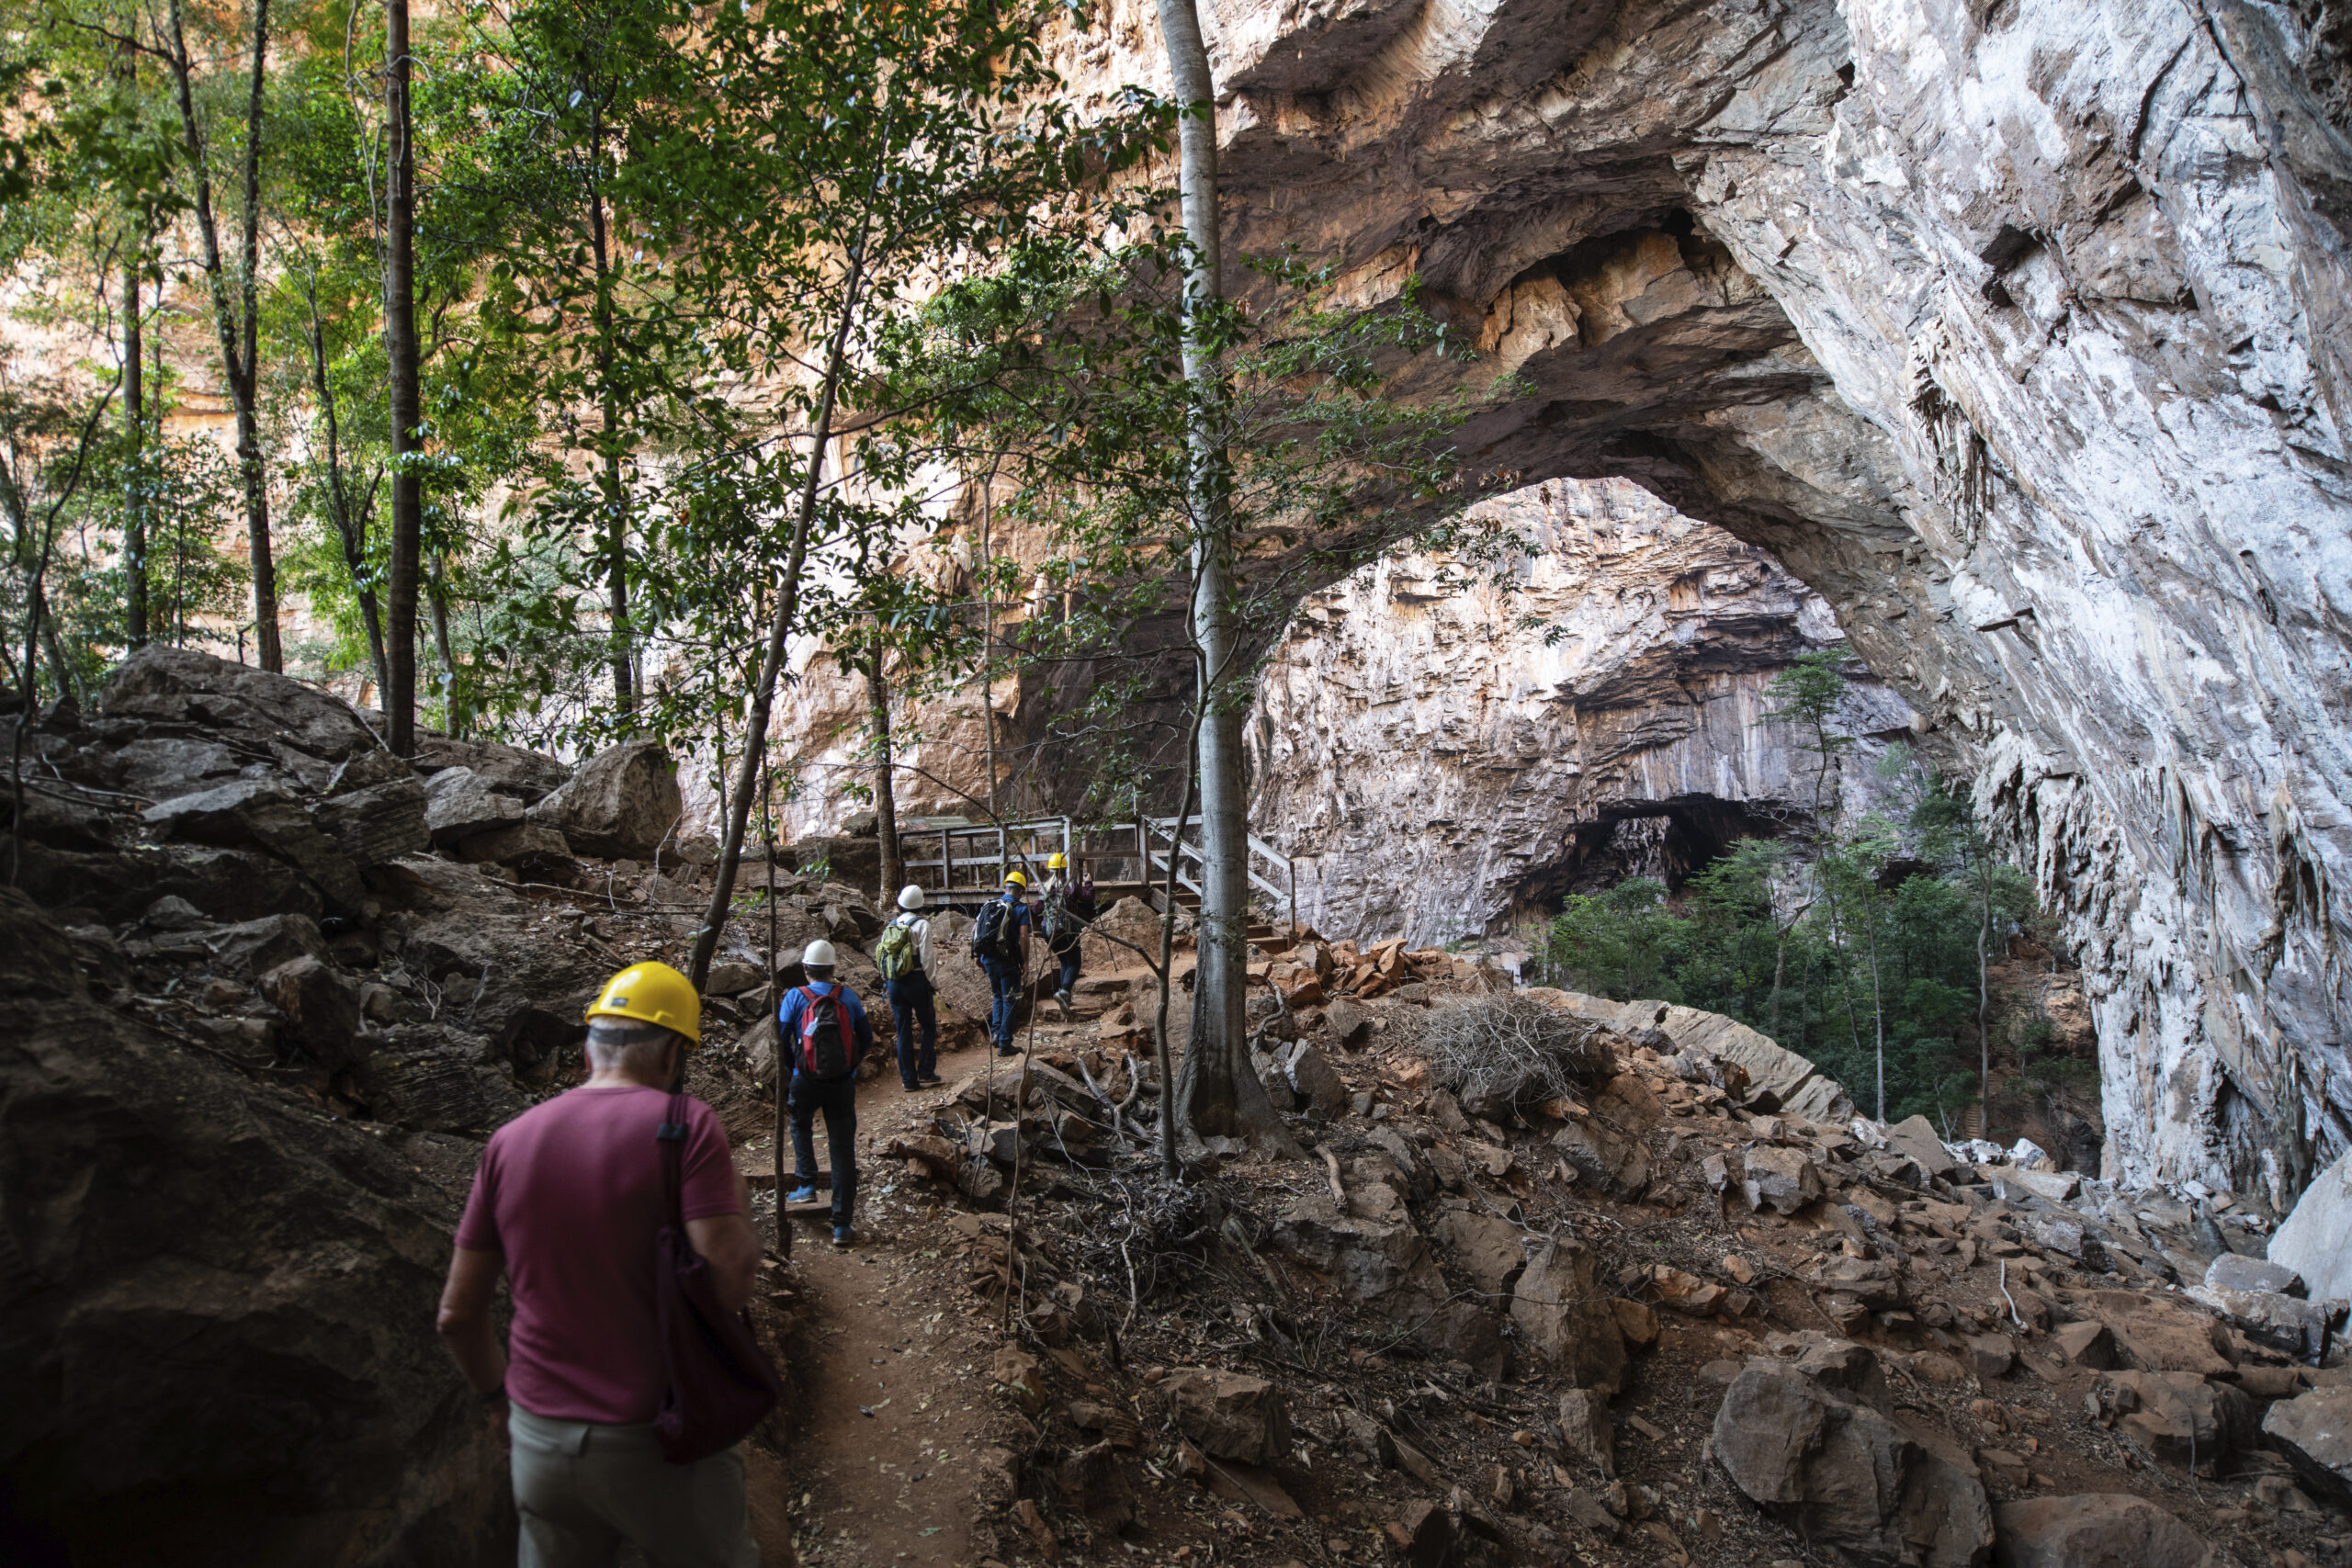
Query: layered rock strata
pixel 2016 330
pixel 1445 748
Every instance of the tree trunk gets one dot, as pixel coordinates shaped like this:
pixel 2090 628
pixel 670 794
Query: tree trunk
pixel 134 430
pixel 1983 1000
pixel 787 610
pixel 245 383
pixel 616 539
pixel 350 524
pixel 400 350
pixel 1218 1093
pixel 886 801
pixel 239 333
pixel 437 591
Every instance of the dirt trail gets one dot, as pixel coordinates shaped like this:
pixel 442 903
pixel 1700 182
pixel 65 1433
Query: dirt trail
pixel 890 1369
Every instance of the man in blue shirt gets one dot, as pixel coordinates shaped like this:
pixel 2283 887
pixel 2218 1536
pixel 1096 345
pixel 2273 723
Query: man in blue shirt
pixel 1005 959
pixel 819 1079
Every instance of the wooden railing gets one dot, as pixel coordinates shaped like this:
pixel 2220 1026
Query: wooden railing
pixel 1270 871
pixel 963 861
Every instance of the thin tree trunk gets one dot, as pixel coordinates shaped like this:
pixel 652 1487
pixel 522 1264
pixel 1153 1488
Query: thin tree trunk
pixel 400 350
pixel 350 524
pixel 1219 1094
pixel 787 610
pixel 437 594
pixel 608 416
pixel 134 430
pixel 239 334
pixel 1984 997
pixel 988 639
pixel 885 801
pixel 1169 1165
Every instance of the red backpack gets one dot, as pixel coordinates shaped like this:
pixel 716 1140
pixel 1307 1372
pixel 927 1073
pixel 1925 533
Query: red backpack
pixel 826 1053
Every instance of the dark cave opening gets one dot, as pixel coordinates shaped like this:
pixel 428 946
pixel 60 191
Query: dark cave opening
pixel 1669 841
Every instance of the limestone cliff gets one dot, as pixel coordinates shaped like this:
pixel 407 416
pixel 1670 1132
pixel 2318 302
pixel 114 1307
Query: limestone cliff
pixel 1443 748
pixel 2014 329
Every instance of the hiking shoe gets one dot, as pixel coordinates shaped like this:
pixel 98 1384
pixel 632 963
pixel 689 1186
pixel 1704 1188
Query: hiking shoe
pixel 1063 998
pixel 841 1236
pixel 1008 1050
pixel 930 1080
pixel 912 1088
pixel 801 1195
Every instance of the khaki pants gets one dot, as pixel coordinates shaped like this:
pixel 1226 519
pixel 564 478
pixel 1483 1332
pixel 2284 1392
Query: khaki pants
pixel 582 1489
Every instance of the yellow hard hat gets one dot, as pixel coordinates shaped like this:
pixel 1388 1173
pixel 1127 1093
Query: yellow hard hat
pixel 1058 862
pixel 1014 879
pixel 653 993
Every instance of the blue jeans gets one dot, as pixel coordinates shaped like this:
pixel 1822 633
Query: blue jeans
pixel 910 1004
pixel 1069 961
pixel 1004 986
pixel 838 1101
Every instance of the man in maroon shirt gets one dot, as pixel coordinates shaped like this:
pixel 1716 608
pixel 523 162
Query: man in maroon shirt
pixel 566 1204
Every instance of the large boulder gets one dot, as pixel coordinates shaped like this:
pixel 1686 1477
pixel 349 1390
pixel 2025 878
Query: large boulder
pixel 2177 1418
pixel 621 803
pixel 2314 1431
pixel 2096 1531
pixel 460 805
pixel 1811 1441
pixel 322 1009
pixel 2315 1238
pixel 510 770
pixel 2269 1318
pixel 302 730
pixel 1564 1319
pixel 259 815
pixel 228 1358
pixel 1230 1414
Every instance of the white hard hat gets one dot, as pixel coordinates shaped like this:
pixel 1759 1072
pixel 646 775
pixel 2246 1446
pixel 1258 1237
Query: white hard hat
pixel 818 955
pixel 910 897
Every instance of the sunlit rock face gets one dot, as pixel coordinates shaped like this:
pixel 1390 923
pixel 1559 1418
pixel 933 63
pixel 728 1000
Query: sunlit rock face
pixel 1447 748
pixel 2014 329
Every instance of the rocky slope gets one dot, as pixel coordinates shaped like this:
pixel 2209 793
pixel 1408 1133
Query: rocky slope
pixel 2015 330
pixel 1446 748
pixel 1662 1302
pixel 270 988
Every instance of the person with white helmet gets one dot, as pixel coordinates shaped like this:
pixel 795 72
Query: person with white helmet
pixel 902 953
pixel 566 1204
pixel 824 1035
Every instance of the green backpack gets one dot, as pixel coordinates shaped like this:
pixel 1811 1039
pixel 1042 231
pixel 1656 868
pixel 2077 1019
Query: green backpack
pixel 894 954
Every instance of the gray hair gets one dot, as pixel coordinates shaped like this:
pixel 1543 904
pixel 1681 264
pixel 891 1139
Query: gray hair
pixel 626 1044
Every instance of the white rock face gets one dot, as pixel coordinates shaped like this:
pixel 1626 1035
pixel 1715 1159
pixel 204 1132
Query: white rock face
pixel 2017 329
pixel 1447 748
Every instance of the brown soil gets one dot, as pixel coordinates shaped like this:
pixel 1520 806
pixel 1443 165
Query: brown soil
pixel 882 1442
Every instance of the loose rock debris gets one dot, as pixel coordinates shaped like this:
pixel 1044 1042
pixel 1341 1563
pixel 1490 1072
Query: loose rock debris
pixel 1666 1305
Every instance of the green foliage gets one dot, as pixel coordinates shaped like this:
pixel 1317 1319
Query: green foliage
pixel 1858 949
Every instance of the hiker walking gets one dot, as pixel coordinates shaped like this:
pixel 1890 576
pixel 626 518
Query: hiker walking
pixel 902 953
pixel 1003 954
pixel 1068 911
pixel 567 1203
pixel 825 1034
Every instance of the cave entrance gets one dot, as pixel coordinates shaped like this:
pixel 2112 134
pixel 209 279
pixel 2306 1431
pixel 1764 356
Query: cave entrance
pixel 1667 841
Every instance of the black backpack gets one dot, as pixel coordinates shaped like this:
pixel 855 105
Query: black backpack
pixel 826 1054
pixel 992 931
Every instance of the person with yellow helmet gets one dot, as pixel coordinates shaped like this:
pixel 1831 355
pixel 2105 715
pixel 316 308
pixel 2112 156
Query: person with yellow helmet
pixel 566 1204
pixel 1002 952
pixel 1066 908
